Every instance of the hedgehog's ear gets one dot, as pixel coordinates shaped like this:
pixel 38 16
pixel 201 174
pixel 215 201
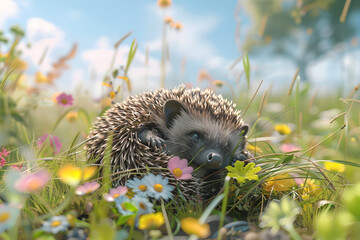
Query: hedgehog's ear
pixel 244 130
pixel 172 108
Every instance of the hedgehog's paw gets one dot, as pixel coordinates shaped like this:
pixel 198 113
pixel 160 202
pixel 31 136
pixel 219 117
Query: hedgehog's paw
pixel 243 156
pixel 150 136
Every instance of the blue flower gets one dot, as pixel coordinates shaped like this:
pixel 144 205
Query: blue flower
pixel 158 186
pixel 138 186
pixel 8 216
pixel 143 204
pixel 120 204
pixel 55 224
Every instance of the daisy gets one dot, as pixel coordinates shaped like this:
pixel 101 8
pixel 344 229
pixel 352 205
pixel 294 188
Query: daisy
pixel 8 216
pixel 143 205
pixel 158 186
pixel 121 203
pixel 138 186
pixel 55 224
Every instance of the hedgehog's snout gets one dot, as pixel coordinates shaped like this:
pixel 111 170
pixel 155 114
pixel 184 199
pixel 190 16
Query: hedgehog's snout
pixel 214 160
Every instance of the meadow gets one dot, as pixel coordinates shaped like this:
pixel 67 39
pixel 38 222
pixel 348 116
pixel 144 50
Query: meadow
pixel 302 184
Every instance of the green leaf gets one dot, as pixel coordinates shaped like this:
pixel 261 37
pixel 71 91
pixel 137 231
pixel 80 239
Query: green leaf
pixel 241 173
pixel 246 64
pixel 130 207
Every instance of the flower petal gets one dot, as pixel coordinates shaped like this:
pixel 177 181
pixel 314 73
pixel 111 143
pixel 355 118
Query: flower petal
pixel 173 163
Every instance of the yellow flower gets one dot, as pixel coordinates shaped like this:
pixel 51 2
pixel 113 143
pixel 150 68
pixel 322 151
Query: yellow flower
pixel 105 102
pixel 71 116
pixel 41 78
pixel 192 226
pixel 73 175
pixel 280 183
pixel 334 167
pixel 54 96
pixel 178 26
pixel 164 3
pixel 253 149
pixel 310 188
pixel 168 20
pixel 151 221
pixel 283 129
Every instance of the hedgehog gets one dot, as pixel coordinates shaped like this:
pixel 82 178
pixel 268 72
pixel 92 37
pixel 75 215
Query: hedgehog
pixel 149 129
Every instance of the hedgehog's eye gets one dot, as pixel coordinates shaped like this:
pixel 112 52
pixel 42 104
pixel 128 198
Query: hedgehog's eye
pixel 195 136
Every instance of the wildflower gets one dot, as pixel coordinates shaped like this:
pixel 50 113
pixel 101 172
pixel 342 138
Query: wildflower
pixel 2 162
pixel 151 221
pixel 143 205
pixel 55 143
pixel 73 175
pixel 280 183
pixel 241 173
pixel 289 148
pixel 4 153
pixel 115 193
pixel 64 99
pixel 310 187
pixel 56 224
pixel 71 116
pixel 179 168
pixel 41 78
pixel 158 186
pixel 334 167
pixel 192 226
pixel 280 215
pixel 32 182
pixel 283 129
pixel 17 167
pixel 253 149
pixel 168 20
pixel 54 97
pixel 124 206
pixel 164 3
pixel 137 185
pixel 8 216
pixel 87 188
pixel 178 26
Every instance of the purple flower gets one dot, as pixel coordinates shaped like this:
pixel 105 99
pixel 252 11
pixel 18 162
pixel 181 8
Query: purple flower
pixel 55 143
pixel 65 99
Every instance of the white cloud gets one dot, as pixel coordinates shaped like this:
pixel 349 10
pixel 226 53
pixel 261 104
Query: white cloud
pixel 8 9
pixel 141 76
pixel 42 35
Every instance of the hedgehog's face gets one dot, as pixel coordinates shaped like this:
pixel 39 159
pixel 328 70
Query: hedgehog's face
pixel 206 143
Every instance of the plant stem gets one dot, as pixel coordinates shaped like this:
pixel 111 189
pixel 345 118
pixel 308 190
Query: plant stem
pixel 167 224
pixel 224 204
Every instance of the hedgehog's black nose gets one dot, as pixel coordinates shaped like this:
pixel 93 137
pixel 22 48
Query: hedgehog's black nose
pixel 214 160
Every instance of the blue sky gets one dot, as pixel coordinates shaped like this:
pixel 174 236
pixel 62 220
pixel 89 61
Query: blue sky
pixel 207 41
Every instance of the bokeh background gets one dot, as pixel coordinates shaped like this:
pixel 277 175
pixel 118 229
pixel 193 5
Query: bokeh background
pixel 205 40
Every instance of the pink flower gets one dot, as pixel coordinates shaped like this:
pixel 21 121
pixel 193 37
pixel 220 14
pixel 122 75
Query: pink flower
pixel 87 188
pixel 289 148
pixel 115 193
pixel 65 99
pixel 17 167
pixel 2 161
pixel 4 153
pixel 179 168
pixel 55 143
pixel 32 182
